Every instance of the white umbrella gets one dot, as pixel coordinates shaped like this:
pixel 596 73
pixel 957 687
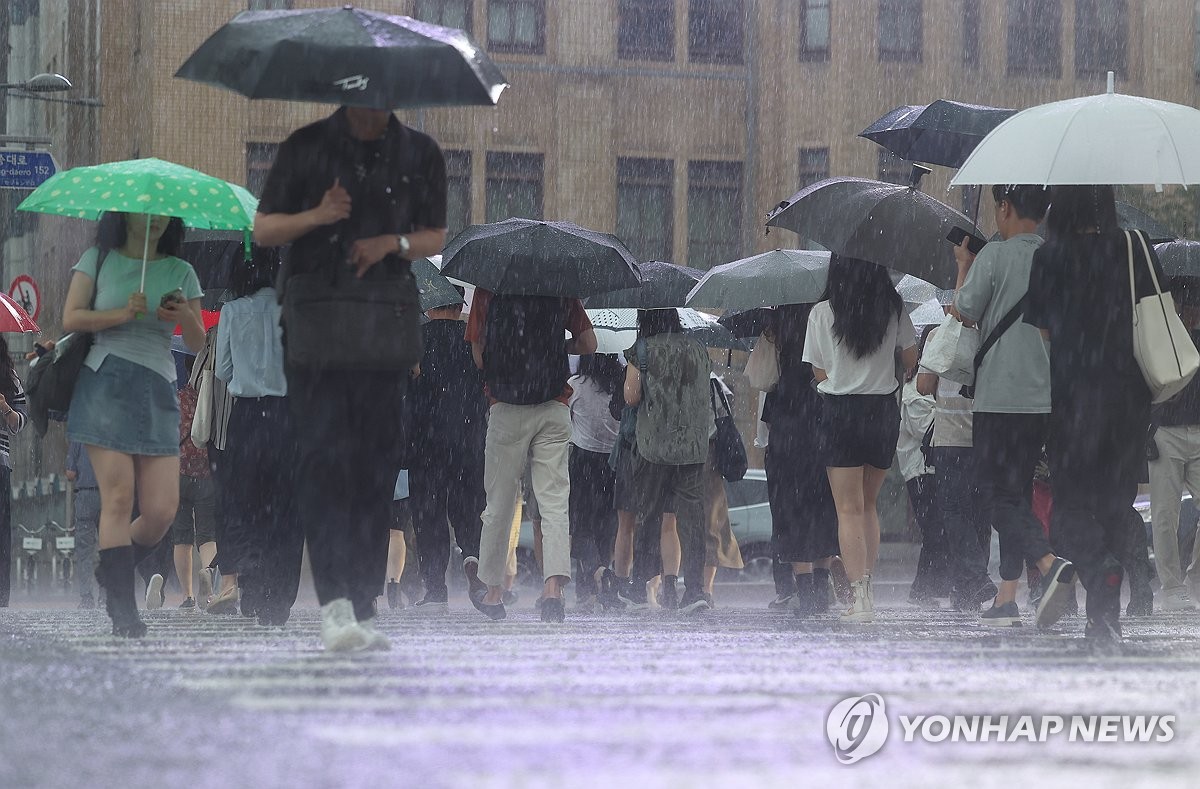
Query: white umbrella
pixel 1110 138
pixel 927 314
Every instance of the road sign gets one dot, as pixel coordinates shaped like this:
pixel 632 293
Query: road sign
pixel 24 291
pixel 25 169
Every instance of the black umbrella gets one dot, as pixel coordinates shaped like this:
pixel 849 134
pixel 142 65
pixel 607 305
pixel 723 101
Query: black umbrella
pixel 944 132
pixel 345 56
pixel 533 258
pixel 747 323
pixel 1131 218
pixel 894 226
pixel 214 254
pixel 663 285
pixel 1179 258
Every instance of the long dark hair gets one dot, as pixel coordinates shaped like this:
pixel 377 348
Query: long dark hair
pixel 602 369
pixel 251 276
pixel 112 233
pixel 864 303
pixel 8 373
pixel 1081 209
pixel 652 322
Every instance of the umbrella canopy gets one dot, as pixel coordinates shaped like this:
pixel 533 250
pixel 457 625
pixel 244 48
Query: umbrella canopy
pixel 1106 139
pixel 436 291
pixel 346 56
pixel 526 257
pixel 663 285
pixel 145 186
pixel 14 318
pixel 927 313
pixel 1179 258
pixel 781 276
pixel 747 323
pixel 616 329
pixel 944 132
pixel 894 226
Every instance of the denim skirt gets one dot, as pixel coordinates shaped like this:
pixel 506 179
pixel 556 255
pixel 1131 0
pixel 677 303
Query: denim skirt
pixel 125 407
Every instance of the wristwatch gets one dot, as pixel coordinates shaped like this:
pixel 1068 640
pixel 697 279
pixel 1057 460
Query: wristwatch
pixel 402 241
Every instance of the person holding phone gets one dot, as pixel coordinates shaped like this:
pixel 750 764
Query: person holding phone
pixel 1011 410
pixel 125 409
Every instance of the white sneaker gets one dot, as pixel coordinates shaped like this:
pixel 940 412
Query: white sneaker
pixel 1177 600
pixel 379 642
pixel 860 611
pixel 340 631
pixel 870 592
pixel 206 587
pixel 154 592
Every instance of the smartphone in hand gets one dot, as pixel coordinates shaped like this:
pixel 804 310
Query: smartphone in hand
pixel 175 296
pixel 957 234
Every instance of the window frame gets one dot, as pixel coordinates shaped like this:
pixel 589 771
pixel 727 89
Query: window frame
pixel 809 54
pixel 972 28
pixel 469 8
pixel 494 173
pixel 258 165
pixel 709 50
pixel 459 163
pixel 806 170
pixel 627 179
pixel 1024 23
pixel 732 242
pixel 516 47
pixel 634 14
pixel 898 8
pixel 1089 30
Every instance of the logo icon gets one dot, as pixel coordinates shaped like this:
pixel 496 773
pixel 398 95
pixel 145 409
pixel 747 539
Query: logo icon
pixel 857 727
pixel 356 82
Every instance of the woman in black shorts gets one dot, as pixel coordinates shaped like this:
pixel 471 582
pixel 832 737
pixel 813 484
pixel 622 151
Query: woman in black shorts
pixel 852 339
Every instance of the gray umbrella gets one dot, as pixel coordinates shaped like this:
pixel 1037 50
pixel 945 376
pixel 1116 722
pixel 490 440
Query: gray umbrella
pixel 435 290
pixel 781 276
pixel 1179 258
pixel 663 285
pixel 525 257
pixel 894 226
pixel 345 56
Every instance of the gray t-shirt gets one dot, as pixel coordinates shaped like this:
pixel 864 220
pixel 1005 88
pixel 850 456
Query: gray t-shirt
pixel 1015 375
pixel 147 340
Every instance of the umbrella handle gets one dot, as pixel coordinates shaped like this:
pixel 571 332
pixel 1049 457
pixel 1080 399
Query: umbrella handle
pixel 145 256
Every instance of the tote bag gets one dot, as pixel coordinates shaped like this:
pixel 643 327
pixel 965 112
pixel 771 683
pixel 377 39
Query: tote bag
pixel 202 422
pixel 762 368
pixel 950 351
pixel 1161 345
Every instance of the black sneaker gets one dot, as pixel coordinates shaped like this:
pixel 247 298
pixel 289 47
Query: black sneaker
pixel 435 602
pixel 395 600
pixel 695 603
pixel 508 598
pixel 780 603
pixel 189 602
pixel 273 615
pixel 553 610
pixel 1058 595
pixel 1103 634
pixel 633 594
pixel 1005 615
pixel 609 592
pixel 668 595
pixel 491 611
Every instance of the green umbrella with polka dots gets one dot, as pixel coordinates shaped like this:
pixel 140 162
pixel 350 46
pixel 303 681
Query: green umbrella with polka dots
pixel 145 186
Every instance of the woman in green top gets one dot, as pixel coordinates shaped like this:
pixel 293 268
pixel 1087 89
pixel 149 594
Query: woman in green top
pixel 125 409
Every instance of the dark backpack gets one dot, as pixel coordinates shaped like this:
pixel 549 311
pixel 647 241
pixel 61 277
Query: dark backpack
pixel 524 353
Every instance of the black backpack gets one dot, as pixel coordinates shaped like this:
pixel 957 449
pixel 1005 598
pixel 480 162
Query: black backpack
pixel 524 353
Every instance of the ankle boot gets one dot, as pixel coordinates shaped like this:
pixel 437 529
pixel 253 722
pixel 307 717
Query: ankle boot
pixel 823 596
pixel 804 603
pixel 114 573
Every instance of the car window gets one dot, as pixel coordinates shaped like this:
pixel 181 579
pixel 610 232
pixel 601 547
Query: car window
pixel 746 492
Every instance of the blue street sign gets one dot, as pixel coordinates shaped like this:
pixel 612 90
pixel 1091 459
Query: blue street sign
pixel 25 169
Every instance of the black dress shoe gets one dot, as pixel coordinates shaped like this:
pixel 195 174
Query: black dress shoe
pixel 489 610
pixel 553 610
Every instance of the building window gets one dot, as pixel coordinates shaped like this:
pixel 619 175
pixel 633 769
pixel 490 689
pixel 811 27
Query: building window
pixel 970 33
pixel 458 191
pixel 646 207
pixel 269 5
pixel 259 158
pixel 1035 38
pixel 714 213
pixel 814 30
pixel 646 30
pixel 517 26
pixel 514 186
pixel 814 165
pixel 891 169
pixel 900 31
pixel 715 31
pixel 447 13
pixel 1101 37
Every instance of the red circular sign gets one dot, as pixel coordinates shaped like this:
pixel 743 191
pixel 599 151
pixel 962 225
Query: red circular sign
pixel 24 290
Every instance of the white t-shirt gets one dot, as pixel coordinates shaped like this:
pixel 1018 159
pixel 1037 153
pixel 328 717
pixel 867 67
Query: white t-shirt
pixel 873 374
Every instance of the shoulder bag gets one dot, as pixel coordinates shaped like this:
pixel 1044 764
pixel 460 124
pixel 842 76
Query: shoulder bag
pixel 730 452
pixel 1161 345
pixel 52 377
pixel 950 350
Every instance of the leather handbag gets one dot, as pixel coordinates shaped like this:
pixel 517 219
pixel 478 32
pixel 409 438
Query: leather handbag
pixel 1161 345
pixel 730 452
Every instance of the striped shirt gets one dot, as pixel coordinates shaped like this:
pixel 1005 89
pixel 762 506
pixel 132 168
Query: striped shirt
pixel 19 404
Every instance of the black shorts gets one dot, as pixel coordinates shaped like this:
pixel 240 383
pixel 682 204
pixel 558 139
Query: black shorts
pixel 860 430
pixel 624 487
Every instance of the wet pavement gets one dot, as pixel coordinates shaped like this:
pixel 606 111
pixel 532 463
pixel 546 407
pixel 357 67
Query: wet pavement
pixel 738 697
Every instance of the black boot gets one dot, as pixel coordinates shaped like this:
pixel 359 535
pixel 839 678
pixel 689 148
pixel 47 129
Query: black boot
pixel 114 573
pixel 804 603
pixel 823 596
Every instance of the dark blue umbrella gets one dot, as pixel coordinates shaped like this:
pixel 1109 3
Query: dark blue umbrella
pixel 944 132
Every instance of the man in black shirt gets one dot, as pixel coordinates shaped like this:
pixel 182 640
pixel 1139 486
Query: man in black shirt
pixel 1176 436
pixel 357 193
pixel 448 418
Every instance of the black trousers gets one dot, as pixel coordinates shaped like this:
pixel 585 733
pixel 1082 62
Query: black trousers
pixel 933 566
pixel 5 534
pixel 593 518
pixel 1097 450
pixel 1007 450
pixel 349 441
pixel 445 484
pixel 803 516
pixel 262 540
pixel 968 535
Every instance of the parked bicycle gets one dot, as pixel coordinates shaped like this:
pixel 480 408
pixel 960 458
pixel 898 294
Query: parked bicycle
pixel 32 545
pixel 62 559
